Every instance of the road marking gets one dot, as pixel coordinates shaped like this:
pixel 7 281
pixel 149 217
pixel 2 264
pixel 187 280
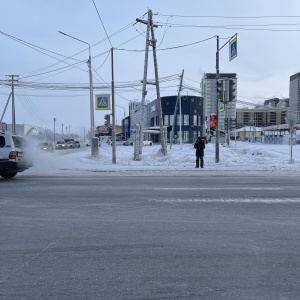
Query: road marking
pixel 232 200
pixel 219 188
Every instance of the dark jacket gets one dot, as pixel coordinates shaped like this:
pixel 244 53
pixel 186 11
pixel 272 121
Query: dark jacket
pixel 199 146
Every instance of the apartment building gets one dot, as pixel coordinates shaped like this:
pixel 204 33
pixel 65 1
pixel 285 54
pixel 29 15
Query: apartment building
pixel 209 93
pixel 295 96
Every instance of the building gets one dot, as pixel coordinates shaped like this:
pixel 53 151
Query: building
pixel 24 129
pixel 192 117
pixel 209 94
pixel 295 96
pixel 273 112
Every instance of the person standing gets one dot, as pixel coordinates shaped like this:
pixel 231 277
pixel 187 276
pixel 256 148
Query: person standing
pixel 199 146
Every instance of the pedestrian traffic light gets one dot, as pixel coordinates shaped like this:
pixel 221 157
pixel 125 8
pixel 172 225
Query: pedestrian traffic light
pixel 220 90
pixel 213 121
pixel 232 90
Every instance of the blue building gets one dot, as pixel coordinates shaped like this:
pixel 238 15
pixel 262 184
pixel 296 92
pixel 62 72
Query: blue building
pixel 192 117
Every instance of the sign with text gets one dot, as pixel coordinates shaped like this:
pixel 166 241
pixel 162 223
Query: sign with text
pixel 102 102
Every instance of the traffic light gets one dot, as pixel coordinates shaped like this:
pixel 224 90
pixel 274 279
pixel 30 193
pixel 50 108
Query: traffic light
pixel 220 90
pixel 107 120
pixel 213 122
pixel 232 90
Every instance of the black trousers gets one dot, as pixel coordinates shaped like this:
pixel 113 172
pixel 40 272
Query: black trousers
pixel 201 160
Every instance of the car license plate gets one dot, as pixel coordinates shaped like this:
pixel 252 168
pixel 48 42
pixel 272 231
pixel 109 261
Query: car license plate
pixel 20 154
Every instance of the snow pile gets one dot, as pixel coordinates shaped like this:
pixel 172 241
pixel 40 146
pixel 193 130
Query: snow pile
pixel 239 156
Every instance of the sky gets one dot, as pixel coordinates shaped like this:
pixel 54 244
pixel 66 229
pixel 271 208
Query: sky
pixel 32 47
pixel 239 157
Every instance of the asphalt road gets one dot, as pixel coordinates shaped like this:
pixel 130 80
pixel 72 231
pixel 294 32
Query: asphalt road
pixel 110 236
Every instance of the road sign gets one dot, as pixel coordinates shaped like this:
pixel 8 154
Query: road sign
pixel 292 141
pixel 221 106
pixel 102 102
pixel 233 49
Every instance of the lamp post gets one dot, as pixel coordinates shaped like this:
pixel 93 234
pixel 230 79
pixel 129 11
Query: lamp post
pixel 94 140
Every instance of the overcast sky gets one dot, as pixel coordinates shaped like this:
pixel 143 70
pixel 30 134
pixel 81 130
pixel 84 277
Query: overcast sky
pixel 31 47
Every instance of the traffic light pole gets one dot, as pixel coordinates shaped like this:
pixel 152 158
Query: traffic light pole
pixel 217 150
pixel 217 100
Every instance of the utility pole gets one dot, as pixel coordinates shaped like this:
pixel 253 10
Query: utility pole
pixel 217 100
pixel 54 120
pixel 153 44
pixel 175 110
pixel 114 159
pixel 13 110
pixel 5 108
pixel 144 92
pixel 217 105
pixel 162 135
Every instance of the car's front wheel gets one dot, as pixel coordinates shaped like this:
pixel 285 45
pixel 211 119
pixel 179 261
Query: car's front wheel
pixel 8 175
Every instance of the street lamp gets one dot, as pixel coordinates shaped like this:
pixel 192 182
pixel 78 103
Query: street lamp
pixel 94 140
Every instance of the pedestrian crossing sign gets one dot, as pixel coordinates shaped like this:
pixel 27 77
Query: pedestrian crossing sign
pixel 102 102
pixel 233 49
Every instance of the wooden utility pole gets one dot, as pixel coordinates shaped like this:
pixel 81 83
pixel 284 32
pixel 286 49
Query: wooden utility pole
pixel 175 110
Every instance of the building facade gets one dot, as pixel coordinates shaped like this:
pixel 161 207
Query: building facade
pixel 274 112
pixel 209 94
pixel 295 96
pixel 191 121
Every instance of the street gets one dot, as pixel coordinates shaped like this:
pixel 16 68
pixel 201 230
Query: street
pixel 158 236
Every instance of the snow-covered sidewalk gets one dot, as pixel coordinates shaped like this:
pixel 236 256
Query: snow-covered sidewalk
pixel 238 157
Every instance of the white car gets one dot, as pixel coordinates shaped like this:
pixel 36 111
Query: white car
pixel 13 155
pixel 147 143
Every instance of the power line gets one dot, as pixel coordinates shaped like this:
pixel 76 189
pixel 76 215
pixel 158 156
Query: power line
pixel 226 17
pixel 170 48
pixel 231 27
pixel 102 23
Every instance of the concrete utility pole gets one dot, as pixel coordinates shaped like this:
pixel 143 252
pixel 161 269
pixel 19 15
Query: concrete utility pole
pixel 5 108
pixel 175 110
pixel 153 44
pixel 54 120
pixel 217 105
pixel 144 92
pixel 162 135
pixel 114 159
pixel 13 110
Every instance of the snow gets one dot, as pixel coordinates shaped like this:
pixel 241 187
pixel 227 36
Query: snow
pixel 238 157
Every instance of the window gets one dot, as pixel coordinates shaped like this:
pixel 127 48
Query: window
pixel 166 120
pixel 186 120
pixel 171 119
pixel 185 136
pixel 17 142
pixel 2 141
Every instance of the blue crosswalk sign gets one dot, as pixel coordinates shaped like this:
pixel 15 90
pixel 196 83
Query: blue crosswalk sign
pixel 233 49
pixel 102 102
